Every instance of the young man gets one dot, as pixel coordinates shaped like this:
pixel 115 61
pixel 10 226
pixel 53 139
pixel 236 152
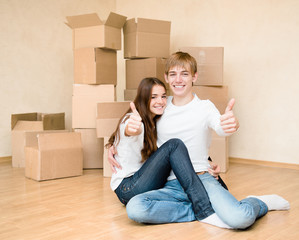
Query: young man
pixel 192 120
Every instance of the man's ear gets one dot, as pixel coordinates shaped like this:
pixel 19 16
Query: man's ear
pixel 194 78
pixel 165 77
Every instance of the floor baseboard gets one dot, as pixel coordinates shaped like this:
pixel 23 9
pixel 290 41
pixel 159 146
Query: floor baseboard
pixel 264 163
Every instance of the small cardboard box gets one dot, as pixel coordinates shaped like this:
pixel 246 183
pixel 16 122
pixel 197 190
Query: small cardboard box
pixel 209 64
pixel 93 148
pixel 95 66
pixel 130 94
pixel 137 69
pixel 54 155
pixel 24 122
pixel 84 103
pixel 108 116
pixel 217 95
pixel 219 151
pixel 90 31
pixel 146 38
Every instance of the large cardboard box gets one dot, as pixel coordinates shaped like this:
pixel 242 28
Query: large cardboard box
pixel 217 95
pixel 24 122
pixel 93 148
pixel 146 38
pixel 219 151
pixel 130 94
pixel 90 31
pixel 54 155
pixel 137 69
pixel 108 116
pixel 209 64
pixel 84 103
pixel 95 66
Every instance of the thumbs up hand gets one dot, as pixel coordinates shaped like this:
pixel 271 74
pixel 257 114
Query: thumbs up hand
pixel 228 121
pixel 134 123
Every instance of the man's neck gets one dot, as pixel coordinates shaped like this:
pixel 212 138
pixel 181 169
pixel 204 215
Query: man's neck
pixel 182 100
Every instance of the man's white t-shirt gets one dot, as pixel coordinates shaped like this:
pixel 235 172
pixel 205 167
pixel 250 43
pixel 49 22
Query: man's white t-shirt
pixel 193 124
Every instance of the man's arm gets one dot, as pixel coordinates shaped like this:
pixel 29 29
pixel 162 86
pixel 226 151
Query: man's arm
pixel 113 163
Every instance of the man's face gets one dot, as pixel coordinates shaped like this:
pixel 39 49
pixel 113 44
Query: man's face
pixel 180 81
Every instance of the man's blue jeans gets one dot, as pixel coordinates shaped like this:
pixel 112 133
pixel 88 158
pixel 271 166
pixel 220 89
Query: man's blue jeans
pixel 171 204
pixel 153 174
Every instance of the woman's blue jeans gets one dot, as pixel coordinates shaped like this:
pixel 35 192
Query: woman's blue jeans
pixel 172 155
pixel 171 204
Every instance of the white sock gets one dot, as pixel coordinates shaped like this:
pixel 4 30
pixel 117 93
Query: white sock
pixel 274 202
pixel 216 221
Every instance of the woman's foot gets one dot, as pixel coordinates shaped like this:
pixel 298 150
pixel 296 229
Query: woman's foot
pixel 216 221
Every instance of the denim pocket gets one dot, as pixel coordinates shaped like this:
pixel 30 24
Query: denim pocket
pixel 124 190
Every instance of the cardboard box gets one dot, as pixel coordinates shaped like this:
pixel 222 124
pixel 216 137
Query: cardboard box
pixel 93 148
pixel 95 66
pixel 54 155
pixel 90 31
pixel 219 151
pixel 84 103
pixel 25 122
pixel 146 38
pixel 209 64
pixel 138 69
pixel 217 95
pixel 130 94
pixel 108 116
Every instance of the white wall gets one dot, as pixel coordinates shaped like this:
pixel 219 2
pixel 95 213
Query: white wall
pixel 260 40
pixel 36 60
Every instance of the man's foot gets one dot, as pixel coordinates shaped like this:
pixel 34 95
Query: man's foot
pixel 274 202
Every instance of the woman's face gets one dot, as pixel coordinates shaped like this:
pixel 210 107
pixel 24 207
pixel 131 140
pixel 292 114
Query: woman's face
pixel 158 101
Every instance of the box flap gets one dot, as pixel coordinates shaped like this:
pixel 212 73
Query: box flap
pixel 84 20
pixel 55 141
pixel 23 116
pixel 130 26
pixel 115 20
pixel 153 26
pixel 53 121
pixel 28 126
pixel 31 137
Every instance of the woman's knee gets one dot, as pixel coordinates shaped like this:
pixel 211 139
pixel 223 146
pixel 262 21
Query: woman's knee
pixel 176 142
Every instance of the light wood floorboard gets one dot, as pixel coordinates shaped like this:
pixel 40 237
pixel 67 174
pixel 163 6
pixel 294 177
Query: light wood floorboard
pixel 85 208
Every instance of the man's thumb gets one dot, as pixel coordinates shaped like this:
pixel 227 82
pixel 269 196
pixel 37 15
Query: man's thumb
pixel 230 105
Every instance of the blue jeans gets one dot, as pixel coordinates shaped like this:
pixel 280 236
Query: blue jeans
pixel 153 175
pixel 171 204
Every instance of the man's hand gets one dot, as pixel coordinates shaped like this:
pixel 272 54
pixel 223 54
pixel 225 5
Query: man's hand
pixel 113 163
pixel 214 170
pixel 134 122
pixel 228 121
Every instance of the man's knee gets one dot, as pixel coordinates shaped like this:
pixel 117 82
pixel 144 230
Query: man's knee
pixel 136 209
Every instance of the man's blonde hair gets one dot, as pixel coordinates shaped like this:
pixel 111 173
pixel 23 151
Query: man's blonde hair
pixel 181 59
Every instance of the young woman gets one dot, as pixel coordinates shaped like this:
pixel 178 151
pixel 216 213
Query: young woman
pixel 144 166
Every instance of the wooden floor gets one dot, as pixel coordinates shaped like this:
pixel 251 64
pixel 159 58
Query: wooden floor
pixel 85 208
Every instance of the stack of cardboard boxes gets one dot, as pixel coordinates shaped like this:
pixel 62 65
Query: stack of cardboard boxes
pixel 146 47
pixel 95 45
pixel 209 85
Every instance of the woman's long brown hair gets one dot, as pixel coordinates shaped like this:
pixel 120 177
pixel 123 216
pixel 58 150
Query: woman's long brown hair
pixel 142 103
